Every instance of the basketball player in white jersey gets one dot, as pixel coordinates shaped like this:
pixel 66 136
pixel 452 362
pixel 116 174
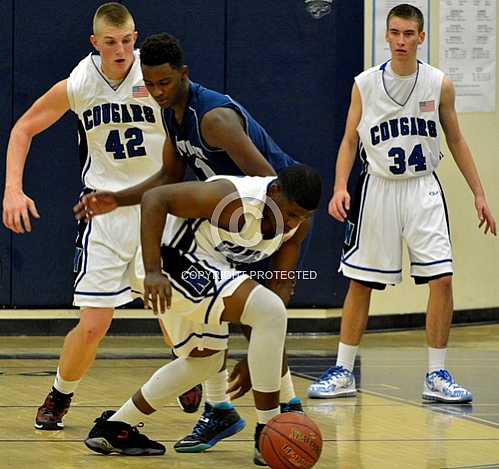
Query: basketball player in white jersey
pixel 192 282
pixel 121 134
pixel 396 115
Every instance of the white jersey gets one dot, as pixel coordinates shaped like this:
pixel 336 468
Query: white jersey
pixel 400 140
pixel 204 240
pixel 199 259
pixel 121 133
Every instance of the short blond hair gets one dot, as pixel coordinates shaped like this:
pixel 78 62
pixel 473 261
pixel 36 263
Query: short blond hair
pixel 113 14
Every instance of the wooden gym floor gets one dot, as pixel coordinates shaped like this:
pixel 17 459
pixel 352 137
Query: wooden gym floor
pixel 385 426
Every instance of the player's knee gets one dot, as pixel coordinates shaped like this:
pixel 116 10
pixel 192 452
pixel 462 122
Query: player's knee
pixel 360 288
pixel 92 332
pixel 264 309
pixel 444 284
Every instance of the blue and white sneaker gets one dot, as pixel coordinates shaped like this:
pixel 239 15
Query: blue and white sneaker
pixel 440 386
pixel 214 425
pixel 294 405
pixel 334 382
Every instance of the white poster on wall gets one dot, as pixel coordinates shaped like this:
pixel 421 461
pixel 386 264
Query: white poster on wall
pixel 468 52
pixel 380 49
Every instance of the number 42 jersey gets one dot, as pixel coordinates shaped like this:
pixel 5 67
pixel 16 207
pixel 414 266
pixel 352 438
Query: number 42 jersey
pixel 121 134
pixel 400 140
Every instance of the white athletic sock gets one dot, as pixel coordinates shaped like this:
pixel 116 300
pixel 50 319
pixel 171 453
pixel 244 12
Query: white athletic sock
pixel 215 388
pixel 436 359
pixel 66 387
pixel 263 416
pixel 346 356
pixel 128 413
pixel 287 389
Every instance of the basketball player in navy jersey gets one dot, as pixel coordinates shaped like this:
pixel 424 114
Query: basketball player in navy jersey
pixel 212 134
pixel 192 234
pixel 396 112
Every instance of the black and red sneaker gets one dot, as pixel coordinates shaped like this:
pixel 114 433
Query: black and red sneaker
pixel 190 400
pixel 119 437
pixel 53 410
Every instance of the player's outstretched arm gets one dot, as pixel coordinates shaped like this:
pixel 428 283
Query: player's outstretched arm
pixel 462 155
pixel 223 128
pixel 101 202
pixel 340 201
pixel 185 200
pixel 45 111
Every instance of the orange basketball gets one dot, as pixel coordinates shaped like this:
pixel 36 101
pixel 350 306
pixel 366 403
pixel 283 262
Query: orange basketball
pixel 291 441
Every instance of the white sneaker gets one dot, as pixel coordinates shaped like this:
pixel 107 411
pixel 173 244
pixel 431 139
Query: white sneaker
pixel 334 382
pixel 440 386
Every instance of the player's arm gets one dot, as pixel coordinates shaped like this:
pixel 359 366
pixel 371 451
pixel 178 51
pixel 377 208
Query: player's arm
pixel 340 201
pixel 98 203
pixel 172 171
pixel 185 200
pixel 284 262
pixel 45 111
pixel 223 128
pixel 462 154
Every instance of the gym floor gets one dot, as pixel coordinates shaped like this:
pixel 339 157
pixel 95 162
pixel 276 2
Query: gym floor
pixel 385 426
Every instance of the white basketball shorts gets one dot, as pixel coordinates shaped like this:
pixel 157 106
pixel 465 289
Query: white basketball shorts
pixel 385 212
pixel 108 261
pixel 199 287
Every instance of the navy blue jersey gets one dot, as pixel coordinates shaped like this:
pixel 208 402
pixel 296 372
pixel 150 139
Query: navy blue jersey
pixel 207 161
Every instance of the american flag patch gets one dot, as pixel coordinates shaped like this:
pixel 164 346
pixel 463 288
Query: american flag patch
pixel 139 91
pixel 427 106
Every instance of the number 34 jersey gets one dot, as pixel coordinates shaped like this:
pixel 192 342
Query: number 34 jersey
pixel 121 134
pixel 400 140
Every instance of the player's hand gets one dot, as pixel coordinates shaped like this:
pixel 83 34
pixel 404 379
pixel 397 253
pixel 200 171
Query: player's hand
pixel 157 292
pixel 96 203
pixel 17 208
pixel 284 288
pixel 240 381
pixel 485 215
pixel 339 205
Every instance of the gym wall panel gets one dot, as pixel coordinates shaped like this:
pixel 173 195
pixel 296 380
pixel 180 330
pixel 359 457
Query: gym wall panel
pixel 199 26
pixel 6 19
pixel 294 74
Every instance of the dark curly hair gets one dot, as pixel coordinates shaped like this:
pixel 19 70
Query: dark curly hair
pixel 160 49
pixel 301 184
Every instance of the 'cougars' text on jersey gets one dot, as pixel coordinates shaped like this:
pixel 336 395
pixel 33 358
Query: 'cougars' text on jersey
pixel 397 140
pixel 121 134
pixel 117 113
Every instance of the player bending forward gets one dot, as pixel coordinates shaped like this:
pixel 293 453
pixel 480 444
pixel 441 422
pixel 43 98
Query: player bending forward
pixel 192 234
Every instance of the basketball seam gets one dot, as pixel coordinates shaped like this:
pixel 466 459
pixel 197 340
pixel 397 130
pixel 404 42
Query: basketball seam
pixel 312 456
pixel 315 430
pixel 285 462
